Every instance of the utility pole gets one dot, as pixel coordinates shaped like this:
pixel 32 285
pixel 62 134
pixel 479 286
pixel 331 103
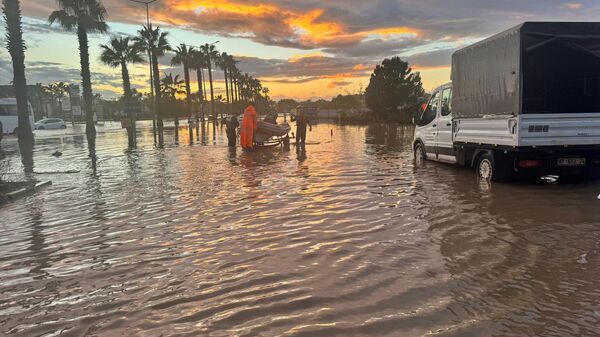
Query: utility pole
pixel 148 3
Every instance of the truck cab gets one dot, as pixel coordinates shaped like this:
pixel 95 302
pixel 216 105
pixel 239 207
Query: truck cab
pixel 433 131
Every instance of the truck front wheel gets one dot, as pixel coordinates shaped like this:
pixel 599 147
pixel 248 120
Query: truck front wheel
pixel 490 168
pixel 419 152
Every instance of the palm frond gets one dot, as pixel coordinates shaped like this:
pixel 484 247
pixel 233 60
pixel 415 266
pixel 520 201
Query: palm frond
pixel 63 18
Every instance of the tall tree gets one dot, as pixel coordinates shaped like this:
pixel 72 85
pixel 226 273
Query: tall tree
pixel 392 84
pixel 83 16
pixel 16 48
pixel 227 64
pixel 199 63
pixel 155 41
pixel 236 84
pixel 57 91
pixel 211 55
pixel 184 55
pixel 120 52
pixel 170 87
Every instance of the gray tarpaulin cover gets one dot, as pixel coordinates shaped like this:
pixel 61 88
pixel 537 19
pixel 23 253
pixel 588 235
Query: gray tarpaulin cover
pixel 536 67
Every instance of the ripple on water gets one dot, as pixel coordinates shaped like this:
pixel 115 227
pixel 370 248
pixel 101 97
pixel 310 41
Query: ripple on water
pixel 349 239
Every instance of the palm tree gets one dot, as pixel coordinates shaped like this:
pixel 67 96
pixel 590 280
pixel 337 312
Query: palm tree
pixel 184 55
pixel 256 89
pixel 57 91
pixel 236 82
pixel 245 90
pixel 227 64
pixel 84 16
pixel 199 64
pixel 155 42
pixel 211 54
pixel 171 86
pixel 120 52
pixel 16 48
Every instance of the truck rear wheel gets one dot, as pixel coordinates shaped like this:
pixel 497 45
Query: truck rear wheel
pixel 490 168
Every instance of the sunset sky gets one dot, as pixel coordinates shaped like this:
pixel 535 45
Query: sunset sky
pixel 298 48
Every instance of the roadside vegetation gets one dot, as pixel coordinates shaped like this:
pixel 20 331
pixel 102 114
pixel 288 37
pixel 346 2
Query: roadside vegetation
pixel 83 17
pixel 394 94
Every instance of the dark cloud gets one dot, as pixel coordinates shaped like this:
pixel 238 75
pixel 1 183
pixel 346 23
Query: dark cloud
pixel 273 25
pixel 46 72
pixel 309 66
pixel 337 84
pixel 354 35
pixel 375 48
pixel 431 59
pixel 6 71
pixel 41 27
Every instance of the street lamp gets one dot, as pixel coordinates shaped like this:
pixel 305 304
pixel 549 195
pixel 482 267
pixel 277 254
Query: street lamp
pixel 147 3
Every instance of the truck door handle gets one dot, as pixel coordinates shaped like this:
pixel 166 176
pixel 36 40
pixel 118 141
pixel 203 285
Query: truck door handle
pixel 448 124
pixel 434 125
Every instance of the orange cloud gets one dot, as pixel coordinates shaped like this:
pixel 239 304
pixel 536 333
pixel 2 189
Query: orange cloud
pixel 221 6
pixel 270 23
pixel 393 31
pixel 359 67
pixel 298 58
pixel 335 84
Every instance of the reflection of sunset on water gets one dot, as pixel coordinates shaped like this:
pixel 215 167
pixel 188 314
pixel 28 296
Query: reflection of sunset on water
pixel 347 238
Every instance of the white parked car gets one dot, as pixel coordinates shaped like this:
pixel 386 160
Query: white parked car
pixel 50 123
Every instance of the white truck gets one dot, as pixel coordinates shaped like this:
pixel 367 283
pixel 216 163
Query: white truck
pixel 525 101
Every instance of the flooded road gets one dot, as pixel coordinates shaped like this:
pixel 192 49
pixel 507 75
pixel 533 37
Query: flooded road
pixel 346 239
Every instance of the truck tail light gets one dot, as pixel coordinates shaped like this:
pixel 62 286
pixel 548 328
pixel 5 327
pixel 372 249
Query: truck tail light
pixel 529 163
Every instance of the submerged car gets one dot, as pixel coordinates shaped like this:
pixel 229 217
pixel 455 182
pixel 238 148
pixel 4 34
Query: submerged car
pixel 50 123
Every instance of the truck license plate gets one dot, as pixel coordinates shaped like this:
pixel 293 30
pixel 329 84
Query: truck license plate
pixel 571 162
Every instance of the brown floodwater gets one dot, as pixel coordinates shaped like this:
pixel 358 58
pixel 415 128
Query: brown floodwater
pixel 348 238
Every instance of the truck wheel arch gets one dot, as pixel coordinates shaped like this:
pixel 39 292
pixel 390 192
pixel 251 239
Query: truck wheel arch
pixel 419 142
pixel 477 154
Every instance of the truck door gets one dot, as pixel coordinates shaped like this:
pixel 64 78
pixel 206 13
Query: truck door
pixel 429 122
pixel 443 145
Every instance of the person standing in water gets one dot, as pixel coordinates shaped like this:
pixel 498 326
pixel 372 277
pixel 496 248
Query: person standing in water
pixel 249 125
pixel 232 125
pixel 301 122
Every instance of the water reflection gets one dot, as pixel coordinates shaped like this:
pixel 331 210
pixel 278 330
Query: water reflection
pixel 26 150
pixel 40 262
pixel 301 152
pixel 345 237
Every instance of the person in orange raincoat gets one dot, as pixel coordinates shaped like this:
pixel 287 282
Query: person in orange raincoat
pixel 249 125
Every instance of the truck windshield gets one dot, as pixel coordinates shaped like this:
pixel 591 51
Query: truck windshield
pixel 431 111
pixel 561 74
